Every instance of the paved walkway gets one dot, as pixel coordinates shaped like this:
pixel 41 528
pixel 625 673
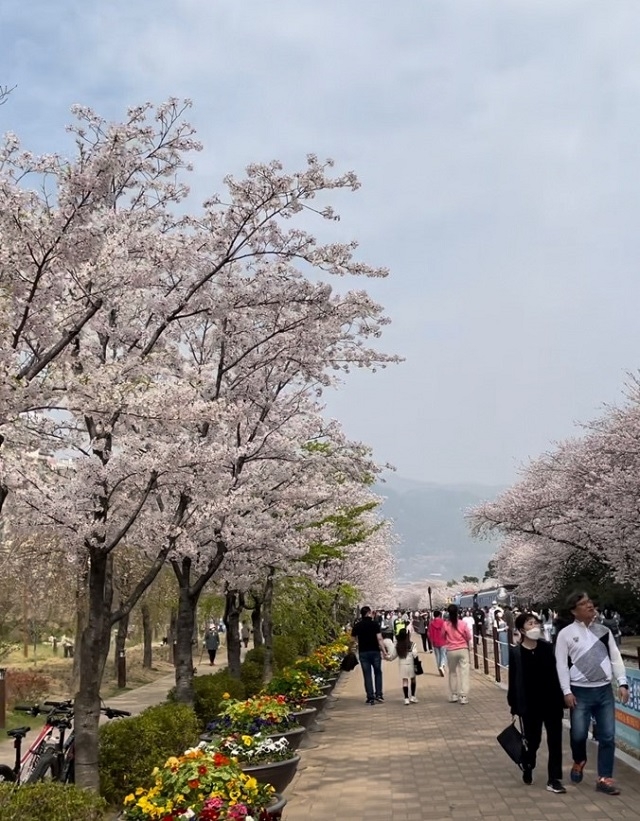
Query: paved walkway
pixel 434 760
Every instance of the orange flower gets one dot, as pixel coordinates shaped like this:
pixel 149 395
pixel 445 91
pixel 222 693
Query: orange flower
pixel 193 784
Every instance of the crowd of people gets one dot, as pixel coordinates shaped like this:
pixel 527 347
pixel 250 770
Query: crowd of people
pixel 554 664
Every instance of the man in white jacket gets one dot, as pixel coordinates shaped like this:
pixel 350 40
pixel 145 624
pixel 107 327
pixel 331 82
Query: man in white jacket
pixel 588 659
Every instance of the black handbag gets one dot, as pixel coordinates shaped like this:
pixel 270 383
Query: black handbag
pixel 513 742
pixel 349 662
pixel 417 666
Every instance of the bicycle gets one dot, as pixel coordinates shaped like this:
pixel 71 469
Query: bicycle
pixel 48 758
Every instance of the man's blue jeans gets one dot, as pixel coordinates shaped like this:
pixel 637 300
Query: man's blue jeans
pixel 597 703
pixel 440 654
pixel 371 664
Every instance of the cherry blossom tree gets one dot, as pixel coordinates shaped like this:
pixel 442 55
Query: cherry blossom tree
pixel 135 336
pixel 573 506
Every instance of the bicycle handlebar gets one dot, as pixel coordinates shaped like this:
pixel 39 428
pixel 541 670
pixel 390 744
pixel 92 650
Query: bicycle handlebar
pixel 63 705
pixel 31 710
pixel 111 712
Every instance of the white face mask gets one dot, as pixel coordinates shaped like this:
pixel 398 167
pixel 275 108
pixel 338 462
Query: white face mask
pixel 534 634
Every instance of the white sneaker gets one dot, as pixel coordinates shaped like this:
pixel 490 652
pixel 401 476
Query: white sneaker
pixel 441 670
pixel 463 700
pixel 453 698
pixel 406 701
pixel 413 700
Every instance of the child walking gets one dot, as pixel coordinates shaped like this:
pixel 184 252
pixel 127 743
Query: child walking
pixel 407 652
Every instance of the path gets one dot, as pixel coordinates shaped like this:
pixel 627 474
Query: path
pixel 434 760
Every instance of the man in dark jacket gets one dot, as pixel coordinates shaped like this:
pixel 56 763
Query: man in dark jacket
pixel 370 651
pixel 536 696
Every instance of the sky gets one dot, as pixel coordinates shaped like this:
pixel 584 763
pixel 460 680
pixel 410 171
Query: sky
pixel 497 145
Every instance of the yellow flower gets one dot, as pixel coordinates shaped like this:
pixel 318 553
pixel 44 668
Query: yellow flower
pixel 131 797
pixel 139 791
pixel 226 695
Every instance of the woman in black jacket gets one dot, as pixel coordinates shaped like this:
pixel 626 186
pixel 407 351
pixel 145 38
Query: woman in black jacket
pixel 534 694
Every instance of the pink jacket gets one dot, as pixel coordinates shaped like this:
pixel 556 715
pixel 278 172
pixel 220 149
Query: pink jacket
pixel 458 638
pixel 436 632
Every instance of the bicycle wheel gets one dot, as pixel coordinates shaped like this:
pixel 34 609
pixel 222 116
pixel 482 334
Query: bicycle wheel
pixel 46 768
pixel 6 773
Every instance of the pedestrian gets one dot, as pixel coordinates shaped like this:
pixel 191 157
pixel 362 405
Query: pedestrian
pixel 386 626
pixel 535 695
pixel 407 653
pixel 595 660
pixel 420 628
pixel 479 619
pixel 370 652
pixel 438 641
pixel 458 643
pixel 212 642
pixel 245 632
pixel 611 620
pixel 503 638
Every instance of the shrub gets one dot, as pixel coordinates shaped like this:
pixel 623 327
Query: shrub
pixel 285 652
pixel 208 692
pixel 49 801
pixel 251 677
pixel 26 687
pixel 132 747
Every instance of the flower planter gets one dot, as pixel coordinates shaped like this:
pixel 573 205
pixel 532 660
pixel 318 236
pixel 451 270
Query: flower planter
pixel 331 683
pixel 326 689
pixel 318 702
pixel 277 773
pixel 274 810
pixel 305 716
pixel 293 736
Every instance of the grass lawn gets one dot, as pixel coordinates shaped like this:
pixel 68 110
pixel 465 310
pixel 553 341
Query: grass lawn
pixel 16 719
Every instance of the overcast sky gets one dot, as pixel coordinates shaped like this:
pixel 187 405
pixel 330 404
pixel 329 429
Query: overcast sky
pixel 497 143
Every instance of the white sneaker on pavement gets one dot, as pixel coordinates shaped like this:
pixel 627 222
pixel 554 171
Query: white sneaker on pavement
pixel 453 698
pixel 406 701
pixel 463 700
pixel 413 700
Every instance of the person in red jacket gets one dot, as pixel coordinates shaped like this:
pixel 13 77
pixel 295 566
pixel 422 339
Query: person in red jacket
pixel 437 639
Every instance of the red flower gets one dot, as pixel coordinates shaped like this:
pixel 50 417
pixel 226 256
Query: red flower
pixel 202 770
pixel 193 784
pixel 220 760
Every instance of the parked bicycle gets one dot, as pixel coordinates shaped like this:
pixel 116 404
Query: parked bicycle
pixel 51 757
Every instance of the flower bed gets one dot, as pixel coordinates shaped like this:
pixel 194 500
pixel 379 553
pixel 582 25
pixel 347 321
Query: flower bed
pixel 265 714
pixel 200 785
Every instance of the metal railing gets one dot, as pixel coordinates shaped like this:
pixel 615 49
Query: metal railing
pixel 491 649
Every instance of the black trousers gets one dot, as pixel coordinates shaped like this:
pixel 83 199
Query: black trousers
pixel 532 724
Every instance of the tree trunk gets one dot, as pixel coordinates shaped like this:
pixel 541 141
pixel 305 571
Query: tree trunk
pixel 121 640
pixel 185 622
pixel 171 635
pixel 94 648
pixel 82 616
pixel 256 623
pixel 267 620
pixel 233 606
pixel 147 637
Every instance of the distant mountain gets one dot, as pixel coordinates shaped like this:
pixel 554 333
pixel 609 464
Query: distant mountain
pixel 429 519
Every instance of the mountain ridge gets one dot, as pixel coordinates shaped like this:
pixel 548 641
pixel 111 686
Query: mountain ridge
pixel 428 518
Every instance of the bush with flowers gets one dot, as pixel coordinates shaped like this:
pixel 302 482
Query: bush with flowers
pixel 203 785
pixel 264 714
pixel 294 684
pixel 253 749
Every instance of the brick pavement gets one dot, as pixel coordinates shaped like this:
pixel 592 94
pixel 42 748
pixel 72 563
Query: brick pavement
pixel 434 760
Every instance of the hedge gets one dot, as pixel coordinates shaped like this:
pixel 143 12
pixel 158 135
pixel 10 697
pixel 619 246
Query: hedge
pixel 49 801
pixel 132 747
